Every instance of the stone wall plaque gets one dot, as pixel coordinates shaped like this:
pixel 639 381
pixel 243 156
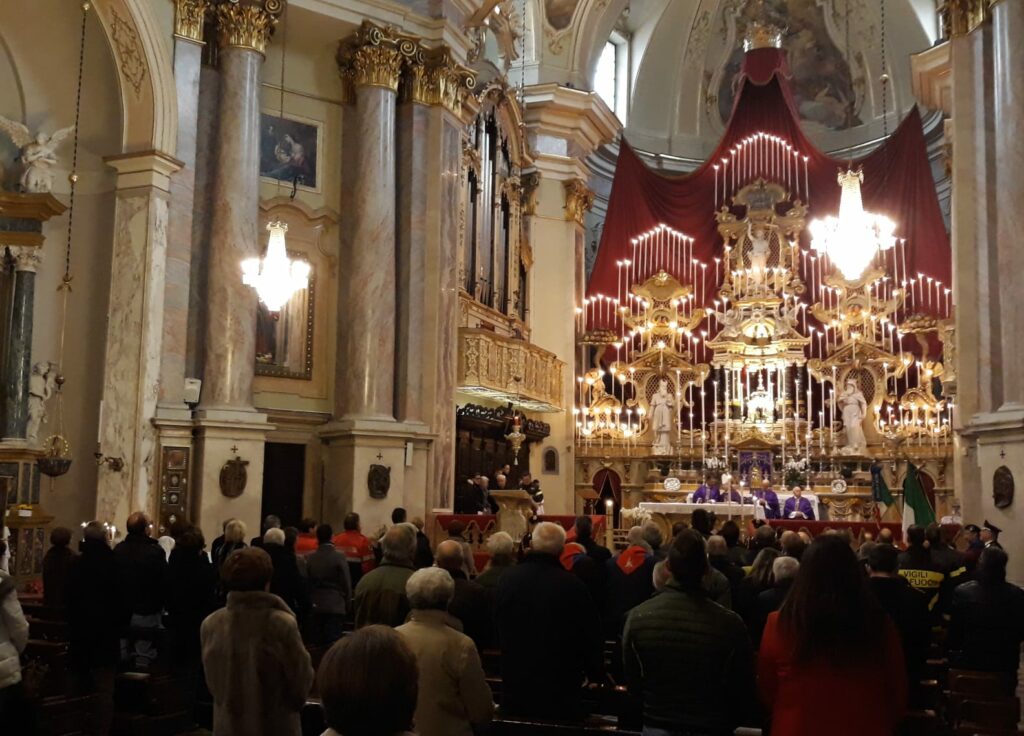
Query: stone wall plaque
pixel 233 477
pixel 1002 487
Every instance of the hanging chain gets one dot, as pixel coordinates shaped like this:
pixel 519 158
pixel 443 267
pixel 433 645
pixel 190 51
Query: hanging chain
pixel 885 81
pixel 853 90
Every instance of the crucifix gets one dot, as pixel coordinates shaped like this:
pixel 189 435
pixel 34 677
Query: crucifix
pixel 234 449
pixel 380 456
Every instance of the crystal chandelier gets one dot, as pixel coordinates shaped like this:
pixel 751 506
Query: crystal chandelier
pixel 275 277
pixel 853 239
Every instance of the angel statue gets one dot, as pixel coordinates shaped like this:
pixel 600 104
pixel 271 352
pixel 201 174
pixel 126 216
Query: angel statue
pixel 40 388
pixel 37 153
pixel 760 247
pixel 662 408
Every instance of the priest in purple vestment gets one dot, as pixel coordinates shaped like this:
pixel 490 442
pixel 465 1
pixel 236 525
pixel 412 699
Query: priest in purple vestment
pixel 767 499
pixel 798 507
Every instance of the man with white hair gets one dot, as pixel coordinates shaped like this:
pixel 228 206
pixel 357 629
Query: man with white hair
pixel 380 595
pixel 784 570
pixel 453 692
pixel 548 631
pixel 503 556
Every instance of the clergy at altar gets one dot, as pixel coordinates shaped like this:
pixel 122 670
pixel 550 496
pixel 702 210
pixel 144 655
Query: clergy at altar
pixel 712 491
pixel 798 507
pixel 767 499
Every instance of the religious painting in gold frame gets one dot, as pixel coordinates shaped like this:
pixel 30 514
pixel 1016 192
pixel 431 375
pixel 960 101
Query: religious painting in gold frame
pixel 284 339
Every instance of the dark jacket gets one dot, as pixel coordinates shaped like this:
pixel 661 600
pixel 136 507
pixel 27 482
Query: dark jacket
pixel 380 596
pixel 733 572
pixel 472 606
pixel 57 564
pixel 595 550
pixel 926 577
pixel 287 583
pixel 908 610
pixel 330 581
pixel 986 627
pixel 768 601
pixel 630 583
pixel 142 568
pixel 691 662
pixel 97 607
pixel 424 556
pixel 191 597
pixel 549 636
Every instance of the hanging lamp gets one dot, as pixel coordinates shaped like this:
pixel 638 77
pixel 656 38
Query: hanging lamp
pixel 852 239
pixel 275 276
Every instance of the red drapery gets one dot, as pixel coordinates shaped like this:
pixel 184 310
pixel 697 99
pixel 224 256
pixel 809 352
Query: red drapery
pixel 897 182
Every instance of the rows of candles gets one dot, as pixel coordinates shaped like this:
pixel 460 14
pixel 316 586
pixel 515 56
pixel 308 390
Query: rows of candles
pixel 793 401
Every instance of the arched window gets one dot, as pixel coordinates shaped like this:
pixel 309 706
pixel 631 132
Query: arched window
pixel 611 75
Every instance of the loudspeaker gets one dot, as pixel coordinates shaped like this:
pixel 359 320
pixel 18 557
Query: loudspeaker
pixel 193 387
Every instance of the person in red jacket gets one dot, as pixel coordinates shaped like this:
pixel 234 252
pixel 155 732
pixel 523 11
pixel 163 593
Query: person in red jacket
pixel 306 541
pixel 356 548
pixel 831 636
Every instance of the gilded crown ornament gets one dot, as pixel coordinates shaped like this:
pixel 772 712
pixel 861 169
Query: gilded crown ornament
pixel 762 35
pixel 247 24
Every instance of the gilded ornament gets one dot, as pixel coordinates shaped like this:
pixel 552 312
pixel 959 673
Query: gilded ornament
pixel 129 51
pixel 373 57
pixel 578 200
pixel 189 16
pixel 434 78
pixel 247 25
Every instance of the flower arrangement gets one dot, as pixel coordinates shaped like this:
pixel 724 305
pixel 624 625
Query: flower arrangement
pixel 715 463
pixel 795 472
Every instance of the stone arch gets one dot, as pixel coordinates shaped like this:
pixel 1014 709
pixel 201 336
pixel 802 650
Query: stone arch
pixel 143 56
pixel 596 21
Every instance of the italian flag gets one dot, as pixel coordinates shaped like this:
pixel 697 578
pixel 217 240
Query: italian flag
pixel 916 509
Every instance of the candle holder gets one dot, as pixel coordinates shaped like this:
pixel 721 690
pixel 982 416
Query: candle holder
pixel 114 463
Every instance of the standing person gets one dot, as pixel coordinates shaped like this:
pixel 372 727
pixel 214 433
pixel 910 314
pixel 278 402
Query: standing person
pixel 368 682
pixel 630 582
pixel 548 632
pixel 330 586
pixel 709 694
pixel 584 527
pixel 987 619
pixel 306 541
pixel 718 557
pixel 503 556
pixel 97 611
pixel 453 692
pixel 269 522
pixel 356 547
pixel 287 582
pixel 456 530
pixel 57 564
pixel 13 638
pixel 234 540
pixel 758 580
pixel 784 570
pixel 142 570
pixel 424 556
pixel 831 635
pixel 917 566
pixel 730 532
pixel 990 535
pixel 907 608
pixel 767 499
pixel 470 603
pixel 257 668
pixel 380 596
pixel 972 533
pixel 191 596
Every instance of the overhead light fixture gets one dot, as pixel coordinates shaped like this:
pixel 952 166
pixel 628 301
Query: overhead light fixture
pixel 852 239
pixel 275 276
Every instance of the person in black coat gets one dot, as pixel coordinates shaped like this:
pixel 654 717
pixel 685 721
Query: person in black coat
pixel 585 536
pixel 630 582
pixel 97 612
pixel 907 608
pixel 56 566
pixel 549 633
pixel 471 603
pixel 987 619
pixel 287 582
pixel 424 556
pixel 142 571
pixel 784 570
pixel 191 596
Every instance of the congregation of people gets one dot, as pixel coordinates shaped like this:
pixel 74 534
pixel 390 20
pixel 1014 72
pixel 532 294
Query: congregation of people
pixel 710 629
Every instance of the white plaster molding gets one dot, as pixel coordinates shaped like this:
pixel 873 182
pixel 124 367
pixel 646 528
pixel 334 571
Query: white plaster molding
pixel 146 169
pixel 581 120
pixel 931 77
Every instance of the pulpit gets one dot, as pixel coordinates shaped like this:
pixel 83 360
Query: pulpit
pixel 514 510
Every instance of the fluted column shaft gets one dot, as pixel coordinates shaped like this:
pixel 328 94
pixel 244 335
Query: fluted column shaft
pixel 19 347
pixel 367 302
pixel 1008 55
pixel 231 305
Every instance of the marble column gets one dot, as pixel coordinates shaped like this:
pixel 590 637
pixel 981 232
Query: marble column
pixel 1008 56
pixel 230 339
pixel 367 301
pixel 19 347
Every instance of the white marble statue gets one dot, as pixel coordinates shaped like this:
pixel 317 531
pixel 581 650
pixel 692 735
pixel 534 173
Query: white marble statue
pixel 855 410
pixel 38 155
pixel 662 409
pixel 760 248
pixel 40 388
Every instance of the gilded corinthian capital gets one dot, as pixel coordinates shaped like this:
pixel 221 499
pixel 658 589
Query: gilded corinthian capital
pixel 578 199
pixel 373 57
pixel 189 16
pixel 433 77
pixel 247 24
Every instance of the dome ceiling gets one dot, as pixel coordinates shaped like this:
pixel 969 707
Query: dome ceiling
pixel 684 83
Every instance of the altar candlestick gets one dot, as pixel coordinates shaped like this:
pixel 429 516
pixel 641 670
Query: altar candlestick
pixel 807 181
pixel 715 167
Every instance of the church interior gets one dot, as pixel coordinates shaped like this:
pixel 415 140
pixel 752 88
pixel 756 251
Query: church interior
pixel 502 262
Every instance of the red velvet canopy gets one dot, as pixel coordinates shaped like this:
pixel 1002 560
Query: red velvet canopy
pixel 897 183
